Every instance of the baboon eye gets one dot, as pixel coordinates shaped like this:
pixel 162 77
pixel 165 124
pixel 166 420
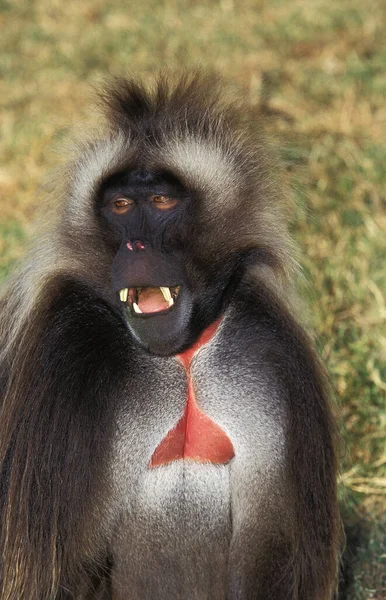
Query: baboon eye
pixel 122 205
pixel 164 202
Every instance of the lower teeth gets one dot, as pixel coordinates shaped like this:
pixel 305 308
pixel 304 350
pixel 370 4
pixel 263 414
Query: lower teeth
pixel 136 308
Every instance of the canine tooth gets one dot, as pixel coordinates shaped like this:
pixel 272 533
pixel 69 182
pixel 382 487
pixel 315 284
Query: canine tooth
pixel 166 293
pixel 171 302
pixel 123 294
pixel 136 308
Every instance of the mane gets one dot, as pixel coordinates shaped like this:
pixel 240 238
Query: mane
pixel 193 126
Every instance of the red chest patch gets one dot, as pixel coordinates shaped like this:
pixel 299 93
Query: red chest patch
pixel 195 436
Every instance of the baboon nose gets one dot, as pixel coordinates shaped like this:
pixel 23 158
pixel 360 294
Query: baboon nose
pixel 137 245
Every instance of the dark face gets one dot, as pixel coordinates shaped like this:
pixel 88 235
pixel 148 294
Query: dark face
pixel 167 297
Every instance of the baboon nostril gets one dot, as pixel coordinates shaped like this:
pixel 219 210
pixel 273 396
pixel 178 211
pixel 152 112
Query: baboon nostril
pixel 139 245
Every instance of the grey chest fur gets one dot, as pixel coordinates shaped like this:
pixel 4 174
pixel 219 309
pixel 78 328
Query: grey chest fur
pixel 177 524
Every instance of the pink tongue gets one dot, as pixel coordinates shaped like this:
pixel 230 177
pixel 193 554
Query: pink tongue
pixel 151 300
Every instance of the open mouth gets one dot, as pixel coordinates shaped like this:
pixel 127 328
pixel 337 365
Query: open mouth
pixel 149 300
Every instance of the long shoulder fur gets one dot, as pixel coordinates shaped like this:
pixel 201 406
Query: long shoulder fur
pixel 53 406
pixel 54 420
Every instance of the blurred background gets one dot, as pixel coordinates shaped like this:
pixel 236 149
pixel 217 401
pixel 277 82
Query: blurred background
pixel 318 71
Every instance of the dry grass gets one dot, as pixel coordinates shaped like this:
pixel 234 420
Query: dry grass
pixel 320 68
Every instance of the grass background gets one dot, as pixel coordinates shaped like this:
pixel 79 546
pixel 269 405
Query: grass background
pixel 319 69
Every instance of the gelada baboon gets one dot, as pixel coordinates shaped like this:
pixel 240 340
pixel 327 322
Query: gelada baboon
pixel 165 430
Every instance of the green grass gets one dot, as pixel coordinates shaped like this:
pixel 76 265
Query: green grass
pixel 321 69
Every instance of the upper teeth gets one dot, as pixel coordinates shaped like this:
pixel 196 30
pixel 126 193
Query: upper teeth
pixel 123 294
pixel 167 295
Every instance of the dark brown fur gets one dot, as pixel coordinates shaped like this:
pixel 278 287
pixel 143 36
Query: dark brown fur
pixel 65 354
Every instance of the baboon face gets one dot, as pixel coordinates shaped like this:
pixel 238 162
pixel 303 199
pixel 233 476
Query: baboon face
pixel 167 292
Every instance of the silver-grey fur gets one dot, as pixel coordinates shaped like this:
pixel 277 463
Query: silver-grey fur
pixel 83 407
